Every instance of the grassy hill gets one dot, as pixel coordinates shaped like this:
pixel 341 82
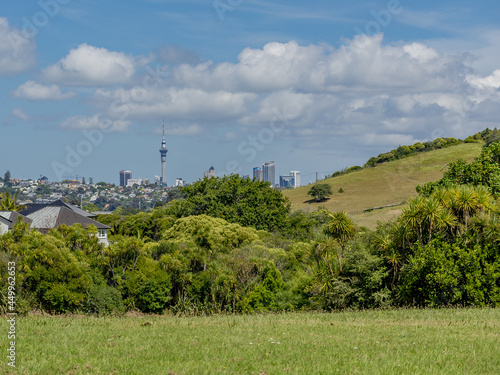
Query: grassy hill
pixel 386 184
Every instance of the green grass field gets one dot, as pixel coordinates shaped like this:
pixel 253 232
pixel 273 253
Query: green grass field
pixel 451 341
pixel 387 184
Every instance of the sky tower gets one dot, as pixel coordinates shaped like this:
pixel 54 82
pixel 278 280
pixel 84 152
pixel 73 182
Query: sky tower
pixel 163 153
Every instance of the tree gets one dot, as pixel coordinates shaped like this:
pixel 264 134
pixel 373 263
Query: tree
pixel 343 229
pixel 320 192
pixel 237 200
pixel 6 177
pixel 8 202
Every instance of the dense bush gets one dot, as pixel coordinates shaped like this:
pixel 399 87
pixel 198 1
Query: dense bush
pixel 233 246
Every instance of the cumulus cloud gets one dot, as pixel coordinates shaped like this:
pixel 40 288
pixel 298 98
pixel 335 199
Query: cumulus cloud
pixel 364 92
pixel 98 121
pixel 181 104
pixel 17 53
pixel 91 66
pixel 36 91
pixel 492 81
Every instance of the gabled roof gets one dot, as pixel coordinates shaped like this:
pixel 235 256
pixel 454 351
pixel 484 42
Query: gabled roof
pixel 11 218
pixel 32 207
pixel 51 217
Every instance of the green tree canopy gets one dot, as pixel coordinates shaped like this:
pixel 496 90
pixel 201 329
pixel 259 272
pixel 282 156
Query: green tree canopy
pixel 237 200
pixel 320 192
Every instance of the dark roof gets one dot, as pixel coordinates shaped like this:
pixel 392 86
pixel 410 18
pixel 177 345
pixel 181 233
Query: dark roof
pixel 33 207
pixel 52 216
pixel 13 217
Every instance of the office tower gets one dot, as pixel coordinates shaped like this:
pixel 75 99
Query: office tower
pixel 257 173
pixel 268 172
pixel 124 177
pixel 163 153
pixel 179 182
pixel 286 182
pixel 296 178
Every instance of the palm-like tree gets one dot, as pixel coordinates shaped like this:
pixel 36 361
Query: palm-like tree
pixel 343 229
pixel 465 203
pixel 492 230
pixel 427 216
pixel 8 202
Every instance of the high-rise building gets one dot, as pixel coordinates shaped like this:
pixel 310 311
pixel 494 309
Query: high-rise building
pixel 257 173
pixel 268 172
pixel 210 173
pixel 163 153
pixel 179 182
pixel 296 178
pixel 286 182
pixel 125 175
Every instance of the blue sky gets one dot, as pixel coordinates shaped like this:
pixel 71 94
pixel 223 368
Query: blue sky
pixel 314 86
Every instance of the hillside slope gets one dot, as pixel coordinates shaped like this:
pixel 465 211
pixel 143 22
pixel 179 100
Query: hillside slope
pixel 386 184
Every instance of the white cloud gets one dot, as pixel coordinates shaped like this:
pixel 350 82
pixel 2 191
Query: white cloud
pixel 17 53
pixel 492 81
pixel 97 121
pixel 179 104
pixel 35 91
pixel 364 92
pixel 91 66
pixel 19 113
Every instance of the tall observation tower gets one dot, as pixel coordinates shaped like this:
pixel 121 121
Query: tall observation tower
pixel 163 153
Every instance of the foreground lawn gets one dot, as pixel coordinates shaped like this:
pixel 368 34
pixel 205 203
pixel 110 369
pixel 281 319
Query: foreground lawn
pixel 454 341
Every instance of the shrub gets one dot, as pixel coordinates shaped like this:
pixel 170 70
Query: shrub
pixel 103 299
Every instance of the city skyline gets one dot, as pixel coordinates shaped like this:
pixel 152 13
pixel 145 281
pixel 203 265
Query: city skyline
pixel 316 87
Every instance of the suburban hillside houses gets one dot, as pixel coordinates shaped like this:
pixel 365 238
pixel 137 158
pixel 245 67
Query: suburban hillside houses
pixel 46 216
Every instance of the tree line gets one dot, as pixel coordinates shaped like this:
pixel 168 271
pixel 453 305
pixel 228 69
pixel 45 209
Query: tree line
pixel 233 245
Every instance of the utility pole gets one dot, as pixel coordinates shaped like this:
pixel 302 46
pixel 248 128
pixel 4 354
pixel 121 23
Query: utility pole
pixel 317 178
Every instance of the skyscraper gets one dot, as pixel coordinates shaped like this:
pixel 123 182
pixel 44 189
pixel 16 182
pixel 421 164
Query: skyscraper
pixel 296 178
pixel 257 173
pixel 268 172
pixel 163 153
pixel 125 175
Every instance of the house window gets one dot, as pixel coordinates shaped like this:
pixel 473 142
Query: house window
pixel 102 233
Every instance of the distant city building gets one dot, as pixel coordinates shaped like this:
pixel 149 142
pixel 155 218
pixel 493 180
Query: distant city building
pixel 163 153
pixel 179 182
pixel 134 181
pixel 157 180
pixel 210 173
pixel 268 172
pixel 257 173
pixel 146 181
pixel 124 177
pixel 296 178
pixel 286 182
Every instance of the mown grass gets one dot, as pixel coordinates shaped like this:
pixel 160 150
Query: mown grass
pixel 451 341
pixel 389 183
